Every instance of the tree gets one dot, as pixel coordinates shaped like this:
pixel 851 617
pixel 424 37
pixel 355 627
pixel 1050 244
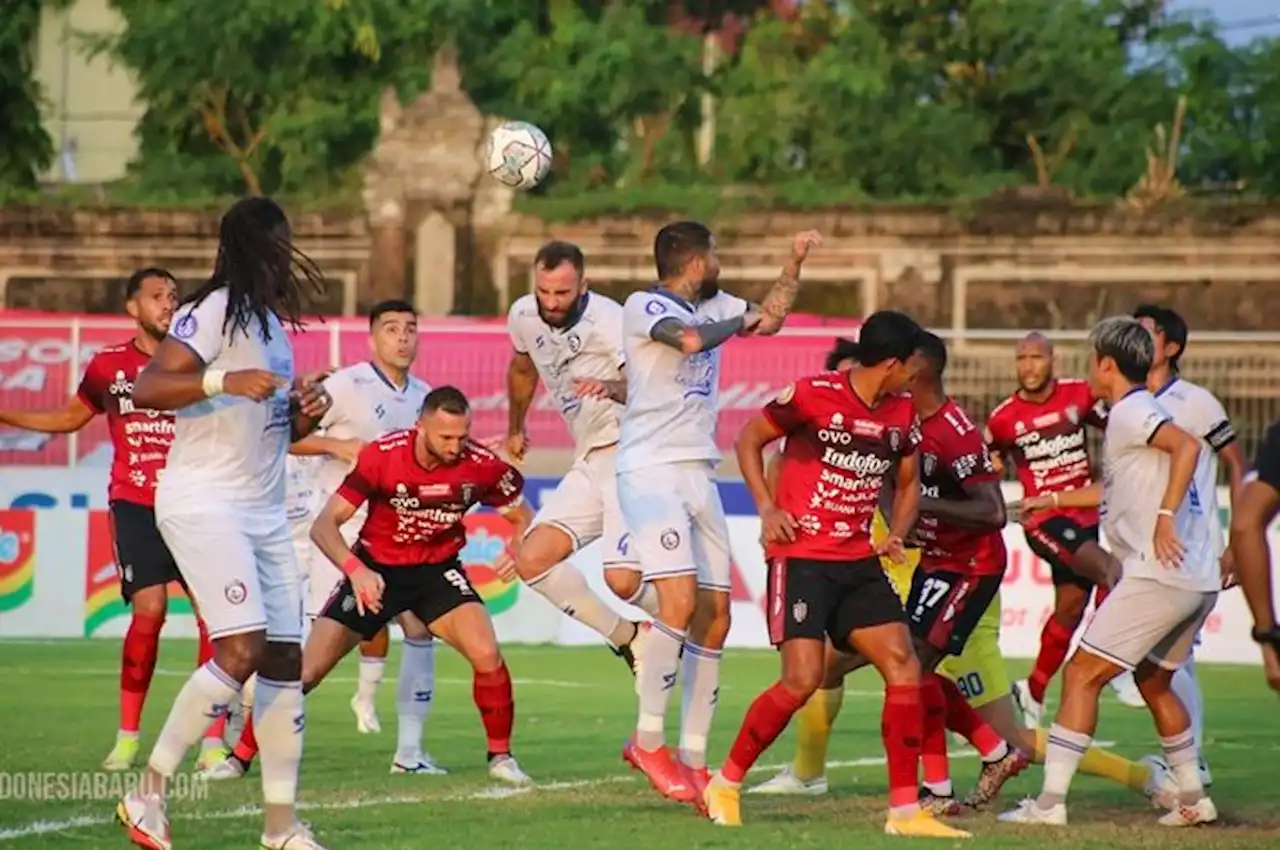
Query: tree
pixel 25 147
pixel 268 95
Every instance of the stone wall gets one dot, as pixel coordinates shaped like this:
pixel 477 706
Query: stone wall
pixel 1008 265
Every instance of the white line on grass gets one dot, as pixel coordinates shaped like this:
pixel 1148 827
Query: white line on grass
pixel 497 792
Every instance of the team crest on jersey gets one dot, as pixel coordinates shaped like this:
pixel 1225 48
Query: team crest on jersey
pixel 930 465
pixel 799 611
pixel 788 393
pixel 670 539
pixel 235 592
pixel 185 327
pixel 574 342
pixel 1073 414
pixel 894 437
pixel 655 308
pixel 468 490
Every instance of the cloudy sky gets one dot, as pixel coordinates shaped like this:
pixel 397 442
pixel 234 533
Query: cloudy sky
pixel 1239 11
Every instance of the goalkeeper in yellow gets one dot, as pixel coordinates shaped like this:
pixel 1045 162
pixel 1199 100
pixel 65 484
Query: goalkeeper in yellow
pixel 978 673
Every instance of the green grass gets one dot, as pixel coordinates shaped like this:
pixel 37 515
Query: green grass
pixel 574 708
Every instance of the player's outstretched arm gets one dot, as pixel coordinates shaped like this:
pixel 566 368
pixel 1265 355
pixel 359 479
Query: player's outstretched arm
pixel 71 418
pixel 522 383
pixel 689 339
pixel 983 510
pixel 1081 497
pixel 781 297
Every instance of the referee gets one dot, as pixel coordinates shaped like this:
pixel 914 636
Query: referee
pixel 1251 515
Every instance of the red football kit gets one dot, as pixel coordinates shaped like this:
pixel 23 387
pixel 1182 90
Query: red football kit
pixel 1046 442
pixel 140 438
pixel 415 513
pixel 952 456
pixel 838 452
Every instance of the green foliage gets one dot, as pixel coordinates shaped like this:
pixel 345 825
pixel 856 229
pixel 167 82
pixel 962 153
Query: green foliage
pixel 25 147
pixel 815 103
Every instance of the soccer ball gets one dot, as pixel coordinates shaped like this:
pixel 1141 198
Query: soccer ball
pixel 518 155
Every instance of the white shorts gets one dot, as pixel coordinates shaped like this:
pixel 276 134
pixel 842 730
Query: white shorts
pixel 585 507
pixel 1142 619
pixel 240 568
pixel 676 522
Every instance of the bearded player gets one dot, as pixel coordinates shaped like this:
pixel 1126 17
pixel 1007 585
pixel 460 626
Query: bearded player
pixel 978 672
pixel 140 441
pixel 1040 430
pixel 370 399
pixel 571 338
pixel 418 485
pixel 667 491
pixel 845 432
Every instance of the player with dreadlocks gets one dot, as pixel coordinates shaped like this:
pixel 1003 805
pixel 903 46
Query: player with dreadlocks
pixel 226 369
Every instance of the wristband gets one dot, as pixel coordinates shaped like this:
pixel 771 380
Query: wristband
pixel 350 565
pixel 1165 512
pixel 212 382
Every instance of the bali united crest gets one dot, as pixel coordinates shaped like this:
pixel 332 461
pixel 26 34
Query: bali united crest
pixel 930 465
pixel 799 611
pixel 1073 415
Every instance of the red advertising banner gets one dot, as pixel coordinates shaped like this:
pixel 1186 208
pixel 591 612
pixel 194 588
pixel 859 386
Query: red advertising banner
pixel 42 359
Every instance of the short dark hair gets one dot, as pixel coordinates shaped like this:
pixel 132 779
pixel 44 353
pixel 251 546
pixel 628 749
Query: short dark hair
pixel 1169 323
pixel 1125 341
pixel 394 305
pixel 676 244
pixel 934 351
pixel 448 399
pixel 134 285
pixel 886 335
pixel 844 349
pixel 555 253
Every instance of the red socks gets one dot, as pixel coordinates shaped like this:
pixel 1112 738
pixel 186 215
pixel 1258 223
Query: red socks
pixel 496 701
pixel 902 727
pixel 137 666
pixel 933 754
pixel 962 719
pixel 1055 642
pixel 247 747
pixel 766 719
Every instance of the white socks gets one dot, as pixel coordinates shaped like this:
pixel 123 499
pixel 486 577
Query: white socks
pixel 415 690
pixel 1184 761
pixel 646 599
pixel 278 723
pixel 565 587
pixel 701 689
pixel 1187 688
pixel 204 696
pixel 1061 760
pixel 370 677
pixel 657 679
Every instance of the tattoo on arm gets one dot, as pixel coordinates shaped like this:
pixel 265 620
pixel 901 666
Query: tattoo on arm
pixel 779 300
pixel 691 340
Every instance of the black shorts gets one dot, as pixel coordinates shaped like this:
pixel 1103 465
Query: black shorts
pixel 1056 541
pixel 428 591
pixel 817 599
pixel 142 558
pixel 944 607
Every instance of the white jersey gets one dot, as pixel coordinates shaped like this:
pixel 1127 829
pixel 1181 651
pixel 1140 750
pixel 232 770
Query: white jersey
pixel 300 493
pixel 1134 477
pixel 230 448
pixel 591 349
pixel 366 405
pixel 672 397
pixel 1198 412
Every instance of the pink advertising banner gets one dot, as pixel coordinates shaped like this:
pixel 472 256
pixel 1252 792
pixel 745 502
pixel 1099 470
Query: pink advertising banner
pixel 42 357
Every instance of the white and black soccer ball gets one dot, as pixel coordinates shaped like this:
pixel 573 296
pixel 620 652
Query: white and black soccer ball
pixel 518 155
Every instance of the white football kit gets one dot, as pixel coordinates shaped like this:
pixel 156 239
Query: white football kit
pixel 667 451
pixel 1154 611
pixel 220 504
pixel 366 405
pixel 585 503
pixel 300 507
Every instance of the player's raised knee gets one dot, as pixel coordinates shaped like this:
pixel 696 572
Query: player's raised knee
pixel 625 584
pixel 543 548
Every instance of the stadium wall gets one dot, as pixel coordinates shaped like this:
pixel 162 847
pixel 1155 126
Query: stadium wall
pixel 58 573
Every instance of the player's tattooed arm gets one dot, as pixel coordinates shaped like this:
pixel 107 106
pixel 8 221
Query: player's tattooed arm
pixel 690 339
pixel 71 418
pixel 984 510
pixel 781 297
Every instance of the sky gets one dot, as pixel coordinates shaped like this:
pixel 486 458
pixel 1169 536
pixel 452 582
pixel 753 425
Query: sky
pixel 1230 12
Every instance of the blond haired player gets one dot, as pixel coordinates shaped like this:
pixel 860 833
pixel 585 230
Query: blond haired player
pixel 978 672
